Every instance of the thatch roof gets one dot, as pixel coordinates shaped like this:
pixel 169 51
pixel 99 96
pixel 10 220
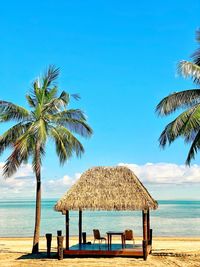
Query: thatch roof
pixel 107 188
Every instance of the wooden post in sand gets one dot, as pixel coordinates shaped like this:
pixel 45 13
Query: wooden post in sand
pixel 59 233
pixel 80 227
pixel 144 245
pixel 67 229
pixel 148 226
pixel 60 247
pixel 150 238
pixel 49 238
pixel 145 234
pixel 144 218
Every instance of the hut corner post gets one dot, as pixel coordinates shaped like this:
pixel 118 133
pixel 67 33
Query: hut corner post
pixel 149 231
pixel 80 228
pixel 148 226
pixel 145 233
pixel 67 229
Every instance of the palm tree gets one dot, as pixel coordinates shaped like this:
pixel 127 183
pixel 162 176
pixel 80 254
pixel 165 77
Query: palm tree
pixel 48 118
pixel 187 124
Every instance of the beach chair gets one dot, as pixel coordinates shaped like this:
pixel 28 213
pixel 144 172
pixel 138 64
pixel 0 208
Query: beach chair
pixel 98 237
pixel 128 235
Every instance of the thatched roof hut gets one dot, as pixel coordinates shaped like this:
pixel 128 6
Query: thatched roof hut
pixel 107 188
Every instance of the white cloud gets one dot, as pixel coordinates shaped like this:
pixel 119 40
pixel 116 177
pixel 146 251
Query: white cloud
pixel 57 187
pixel 22 184
pixel 162 173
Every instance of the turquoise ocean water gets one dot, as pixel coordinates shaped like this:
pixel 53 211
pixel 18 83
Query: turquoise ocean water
pixel 173 218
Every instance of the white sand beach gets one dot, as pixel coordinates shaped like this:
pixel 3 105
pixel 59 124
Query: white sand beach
pixel 167 251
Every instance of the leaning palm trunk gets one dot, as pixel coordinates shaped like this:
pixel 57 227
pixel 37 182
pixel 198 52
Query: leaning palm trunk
pixel 36 237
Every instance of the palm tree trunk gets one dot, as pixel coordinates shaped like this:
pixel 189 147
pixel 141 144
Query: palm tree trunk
pixel 36 237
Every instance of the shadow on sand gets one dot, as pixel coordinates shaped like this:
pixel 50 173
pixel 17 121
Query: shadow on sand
pixel 40 255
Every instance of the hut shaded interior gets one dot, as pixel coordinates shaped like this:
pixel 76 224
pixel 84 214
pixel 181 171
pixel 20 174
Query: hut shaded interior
pixel 108 188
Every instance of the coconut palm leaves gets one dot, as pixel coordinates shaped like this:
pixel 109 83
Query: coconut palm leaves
pixel 48 117
pixel 187 124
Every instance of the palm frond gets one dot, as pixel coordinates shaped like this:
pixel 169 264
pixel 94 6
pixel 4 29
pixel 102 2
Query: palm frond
pixel 66 143
pixel 31 101
pixel 20 154
pixel 11 136
pixel 69 114
pixel 10 111
pixel 50 94
pixel 41 130
pixel 36 93
pixel 196 55
pixel 167 135
pixel 11 165
pixel 75 96
pixel 50 76
pixel 55 105
pixel 77 126
pixel 198 35
pixel 65 97
pixel 189 69
pixel 194 148
pixel 177 100
pixel 184 125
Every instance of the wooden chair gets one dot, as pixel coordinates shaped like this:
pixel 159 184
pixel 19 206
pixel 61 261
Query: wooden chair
pixel 128 235
pixel 97 236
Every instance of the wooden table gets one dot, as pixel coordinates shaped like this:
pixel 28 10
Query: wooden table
pixel 110 234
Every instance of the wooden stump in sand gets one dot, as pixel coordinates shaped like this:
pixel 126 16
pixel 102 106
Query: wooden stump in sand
pixel 60 247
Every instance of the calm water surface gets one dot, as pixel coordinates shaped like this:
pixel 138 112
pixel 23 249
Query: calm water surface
pixel 173 218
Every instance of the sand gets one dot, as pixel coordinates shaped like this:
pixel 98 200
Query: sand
pixel 166 252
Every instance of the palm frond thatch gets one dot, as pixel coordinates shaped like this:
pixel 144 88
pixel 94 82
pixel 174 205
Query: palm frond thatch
pixel 107 188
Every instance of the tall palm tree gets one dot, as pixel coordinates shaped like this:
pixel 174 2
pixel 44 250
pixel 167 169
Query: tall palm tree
pixel 48 118
pixel 187 124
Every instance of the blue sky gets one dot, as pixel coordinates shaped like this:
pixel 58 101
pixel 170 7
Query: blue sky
pixel 121 58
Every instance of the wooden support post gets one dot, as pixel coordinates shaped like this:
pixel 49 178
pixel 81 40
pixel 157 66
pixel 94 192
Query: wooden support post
pixel 150 241
pixel 145 235
pixel 59 233
pixel 80 227
pixel 144 217
pixel 49 238
pixel 84 237
pixel 148 225
pixel 144 245
pixel 67 229
pixel 60 247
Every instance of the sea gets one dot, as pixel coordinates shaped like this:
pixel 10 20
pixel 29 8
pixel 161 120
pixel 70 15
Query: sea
pixel 172 218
